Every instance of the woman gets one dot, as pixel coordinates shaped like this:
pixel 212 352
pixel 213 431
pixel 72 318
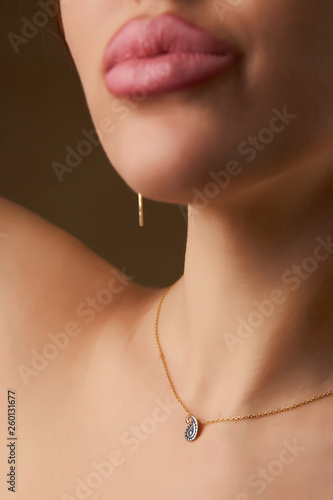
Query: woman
pixel 227 107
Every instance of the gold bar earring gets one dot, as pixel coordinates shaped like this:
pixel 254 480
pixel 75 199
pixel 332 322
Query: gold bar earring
pixel 140 209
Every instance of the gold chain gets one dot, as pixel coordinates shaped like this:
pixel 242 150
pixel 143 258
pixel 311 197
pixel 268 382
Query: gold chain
pixel 256 415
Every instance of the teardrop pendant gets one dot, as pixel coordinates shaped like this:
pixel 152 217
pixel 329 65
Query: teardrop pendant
pixel 192 429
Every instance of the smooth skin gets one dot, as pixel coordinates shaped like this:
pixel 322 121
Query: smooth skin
pixel 99 420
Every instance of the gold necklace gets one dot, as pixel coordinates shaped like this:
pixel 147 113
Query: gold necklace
pixel 191 431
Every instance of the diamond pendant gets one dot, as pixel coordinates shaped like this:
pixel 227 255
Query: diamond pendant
pixel 192 429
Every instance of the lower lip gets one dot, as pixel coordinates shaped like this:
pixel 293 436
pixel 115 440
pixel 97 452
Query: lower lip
pixel 138 78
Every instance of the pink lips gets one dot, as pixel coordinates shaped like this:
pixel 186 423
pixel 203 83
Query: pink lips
pixel 166 53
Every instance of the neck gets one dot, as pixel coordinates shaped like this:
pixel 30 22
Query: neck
pixel 249 324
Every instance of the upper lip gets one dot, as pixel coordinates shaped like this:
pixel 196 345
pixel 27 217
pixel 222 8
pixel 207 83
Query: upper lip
pixel 166 33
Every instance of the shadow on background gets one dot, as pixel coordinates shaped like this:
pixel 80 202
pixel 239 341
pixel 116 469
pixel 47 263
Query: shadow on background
pixel 43 112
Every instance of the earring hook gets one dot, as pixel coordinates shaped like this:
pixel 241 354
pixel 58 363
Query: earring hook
pixel 140 209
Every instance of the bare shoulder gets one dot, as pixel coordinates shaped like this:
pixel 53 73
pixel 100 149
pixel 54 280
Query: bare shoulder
pixel 50 280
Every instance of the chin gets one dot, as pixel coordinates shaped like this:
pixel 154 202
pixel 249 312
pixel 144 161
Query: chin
pixel 160 177
pixel 165 159
pixel 173 153
pixel 164 168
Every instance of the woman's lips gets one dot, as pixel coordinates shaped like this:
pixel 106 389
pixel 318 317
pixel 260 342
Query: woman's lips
pixel 150 56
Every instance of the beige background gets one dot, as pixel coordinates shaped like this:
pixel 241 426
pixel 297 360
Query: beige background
pixel 43 110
